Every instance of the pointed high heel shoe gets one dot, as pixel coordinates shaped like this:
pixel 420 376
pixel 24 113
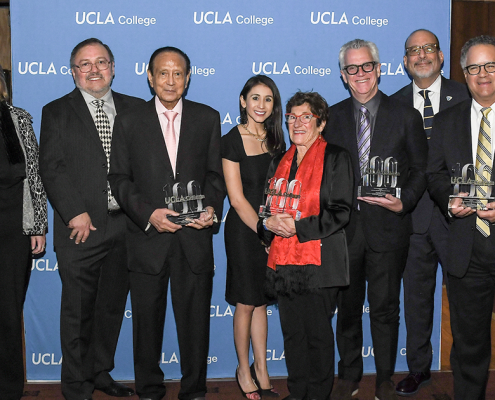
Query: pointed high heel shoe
pixel 271 392
pixel 254 395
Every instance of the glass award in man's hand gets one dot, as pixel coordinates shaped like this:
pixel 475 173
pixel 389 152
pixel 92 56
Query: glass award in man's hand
pixel 282 196
pixel 380 178
pixel 186 199
pixel 471 187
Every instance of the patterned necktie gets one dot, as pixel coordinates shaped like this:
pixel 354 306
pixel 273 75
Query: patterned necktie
pixel 483 166
pixel 364 138
pixel 427 113
pixel 170 139
pixel 103 126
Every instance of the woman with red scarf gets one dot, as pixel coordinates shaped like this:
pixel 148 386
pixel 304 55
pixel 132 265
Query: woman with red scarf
pixel 308 254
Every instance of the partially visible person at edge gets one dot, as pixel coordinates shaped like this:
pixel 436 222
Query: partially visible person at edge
pixel 247 151
pixel 463 135
pixel 308 259
pixel 23 222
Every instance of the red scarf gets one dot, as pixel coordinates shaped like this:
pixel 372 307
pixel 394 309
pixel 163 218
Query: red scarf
pixel 289 251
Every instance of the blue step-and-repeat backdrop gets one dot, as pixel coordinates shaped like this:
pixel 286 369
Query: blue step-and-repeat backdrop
pixel 294 42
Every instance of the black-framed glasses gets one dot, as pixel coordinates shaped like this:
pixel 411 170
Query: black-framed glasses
pixel 428 48
pixel 304 118
pixel 475 69
pixel 100 64
pixel 354 69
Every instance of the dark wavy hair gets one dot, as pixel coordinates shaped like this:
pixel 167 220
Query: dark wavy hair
pixel 275 142
pixel 317 104
pixel 87 42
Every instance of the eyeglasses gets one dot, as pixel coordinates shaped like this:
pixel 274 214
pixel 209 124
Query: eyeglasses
pixel 428 48
pixel 86 66
pixel 304 118
pixel 475 69
pixel 354 69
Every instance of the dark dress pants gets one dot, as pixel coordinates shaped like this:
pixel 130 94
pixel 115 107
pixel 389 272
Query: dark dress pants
pixel 95 283
pixel 15 270
pixel 383 272
pixel 471 304
pixel 309 346
pixel 420 276
pixel 191 297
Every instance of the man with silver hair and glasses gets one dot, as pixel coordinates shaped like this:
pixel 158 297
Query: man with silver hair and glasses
pixel 462 136
pixel 429 92
pixel 370 124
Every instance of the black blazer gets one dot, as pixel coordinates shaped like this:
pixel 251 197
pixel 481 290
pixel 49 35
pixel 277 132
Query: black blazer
pixel 451 93
pixel 335 207
pixel 451 144
pixel 398 132
pixel 73 165
pixel 140 167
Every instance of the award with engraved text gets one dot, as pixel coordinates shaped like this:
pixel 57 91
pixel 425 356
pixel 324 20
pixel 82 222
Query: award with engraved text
pixel 187 200
pixel 476 191
pixel 282 196
pixel 380 178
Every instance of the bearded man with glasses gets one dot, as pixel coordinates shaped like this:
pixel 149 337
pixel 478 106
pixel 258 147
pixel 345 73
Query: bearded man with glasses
pixel 370 124
pixel 89 228
pixel 429 93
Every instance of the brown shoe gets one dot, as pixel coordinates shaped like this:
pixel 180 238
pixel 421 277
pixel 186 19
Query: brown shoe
pixel 344 390
pixel 386 391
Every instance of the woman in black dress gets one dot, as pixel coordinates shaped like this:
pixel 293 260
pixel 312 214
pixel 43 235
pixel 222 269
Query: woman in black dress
pixel 247 151
pixel 23 222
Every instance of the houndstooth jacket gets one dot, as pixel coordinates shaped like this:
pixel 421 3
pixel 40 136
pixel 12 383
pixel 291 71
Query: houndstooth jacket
pixel 34 220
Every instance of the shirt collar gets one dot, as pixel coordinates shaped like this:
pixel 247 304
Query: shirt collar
pixel 477 106
pixel 372 104
pixel 107 97
pixel 160 108
pixel 434 87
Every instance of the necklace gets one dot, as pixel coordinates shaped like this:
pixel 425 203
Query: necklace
pixel 255 136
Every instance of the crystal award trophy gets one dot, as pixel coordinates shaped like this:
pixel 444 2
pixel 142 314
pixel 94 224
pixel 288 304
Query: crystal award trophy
pixel 282 196
pixel 187 200
pixel 380 178
pixel 467 180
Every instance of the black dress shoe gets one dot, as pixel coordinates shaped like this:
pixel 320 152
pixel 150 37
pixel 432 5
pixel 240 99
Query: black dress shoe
pixel 412 383
pixel 116 389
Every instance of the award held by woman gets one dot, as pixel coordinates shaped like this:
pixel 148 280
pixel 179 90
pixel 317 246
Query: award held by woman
pixel 282 196
pixel 187 200
pixel 473 186
pixel 380 178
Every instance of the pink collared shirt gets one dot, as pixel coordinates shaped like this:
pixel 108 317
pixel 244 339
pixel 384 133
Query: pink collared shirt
pixel 160 109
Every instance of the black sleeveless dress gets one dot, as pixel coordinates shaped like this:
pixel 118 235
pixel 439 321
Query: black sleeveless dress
pixel 246 256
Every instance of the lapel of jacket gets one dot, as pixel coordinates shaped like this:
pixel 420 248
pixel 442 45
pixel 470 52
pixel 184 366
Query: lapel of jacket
pixel 349 125
pixel 80 107
pixel 187 127
pixel 409 94
pixel 463 141
pixel 383 123
pixel 446 97
pixel 153 130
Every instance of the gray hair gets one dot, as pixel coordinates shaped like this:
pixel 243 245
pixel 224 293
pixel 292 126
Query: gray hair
pixel 483 39
pixel 357 44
